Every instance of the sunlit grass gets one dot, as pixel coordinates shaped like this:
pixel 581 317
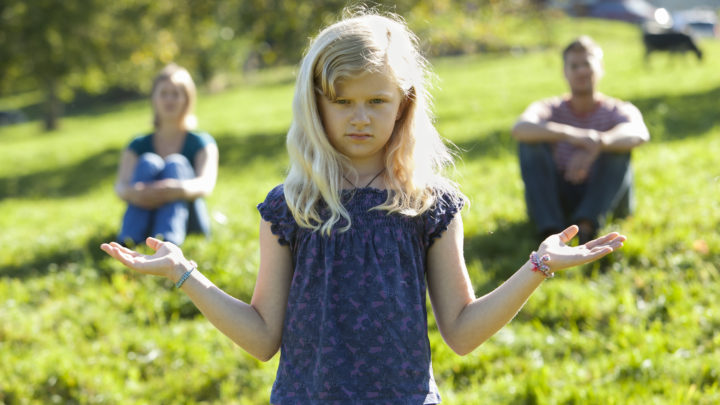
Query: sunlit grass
pixel 76 327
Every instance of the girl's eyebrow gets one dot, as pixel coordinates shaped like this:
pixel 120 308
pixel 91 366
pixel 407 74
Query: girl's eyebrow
pixel 384 94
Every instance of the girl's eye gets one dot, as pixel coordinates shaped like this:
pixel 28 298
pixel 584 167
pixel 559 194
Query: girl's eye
pixel 341 101
pixel 377 101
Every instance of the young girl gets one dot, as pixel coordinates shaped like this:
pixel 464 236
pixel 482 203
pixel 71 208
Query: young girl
pixel 363 221
pixel 164 175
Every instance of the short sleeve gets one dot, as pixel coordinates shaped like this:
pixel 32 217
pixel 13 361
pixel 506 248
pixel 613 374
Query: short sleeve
pixel 141 144
pixel 194 143
pixel 204 139
pixel 540 111
pixel 440 216
pixel 275 211
pixel 629 112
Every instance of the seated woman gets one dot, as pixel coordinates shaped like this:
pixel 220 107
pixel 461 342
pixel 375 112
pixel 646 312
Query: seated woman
pixel 164 175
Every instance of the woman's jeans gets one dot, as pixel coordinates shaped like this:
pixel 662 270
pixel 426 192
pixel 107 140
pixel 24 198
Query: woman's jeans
pixel 173 220
pixel 554 203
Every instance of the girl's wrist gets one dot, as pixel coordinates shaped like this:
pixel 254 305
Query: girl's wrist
pixel 539 263
pixel 179 269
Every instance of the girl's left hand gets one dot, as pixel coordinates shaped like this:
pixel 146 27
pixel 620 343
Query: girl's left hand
pixel 166 258
pixel 563 256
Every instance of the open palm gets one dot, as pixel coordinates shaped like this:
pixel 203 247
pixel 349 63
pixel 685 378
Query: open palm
pixel 563 256
pixel 166 256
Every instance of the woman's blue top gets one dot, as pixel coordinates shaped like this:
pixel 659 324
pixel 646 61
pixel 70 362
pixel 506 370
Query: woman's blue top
pixel 355 330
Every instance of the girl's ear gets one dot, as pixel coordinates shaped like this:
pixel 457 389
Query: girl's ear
pixel 405 103
pixel 401 110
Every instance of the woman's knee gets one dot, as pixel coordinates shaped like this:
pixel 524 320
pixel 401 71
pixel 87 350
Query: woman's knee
pixel 178 166
pixel 148 167
pixel 151 159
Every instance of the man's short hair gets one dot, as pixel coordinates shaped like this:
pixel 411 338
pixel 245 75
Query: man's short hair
pixel 583 44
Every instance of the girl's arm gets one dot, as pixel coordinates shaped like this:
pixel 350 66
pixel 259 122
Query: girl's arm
pixel 256 327
pixel 464 321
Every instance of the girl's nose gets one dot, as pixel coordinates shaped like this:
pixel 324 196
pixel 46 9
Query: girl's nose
pixel 360 117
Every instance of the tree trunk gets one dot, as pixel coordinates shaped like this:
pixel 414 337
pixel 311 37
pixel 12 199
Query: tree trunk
pixel 53 106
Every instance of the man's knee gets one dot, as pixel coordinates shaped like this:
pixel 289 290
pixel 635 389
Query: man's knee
pixel 539 149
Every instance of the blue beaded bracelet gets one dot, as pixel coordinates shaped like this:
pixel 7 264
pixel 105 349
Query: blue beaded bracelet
pixel 184 277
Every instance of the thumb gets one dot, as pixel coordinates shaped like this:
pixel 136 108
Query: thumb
pixel 569 233
pixel 153 243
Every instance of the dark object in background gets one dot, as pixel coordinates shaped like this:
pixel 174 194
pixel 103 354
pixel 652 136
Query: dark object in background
pixel 10 117
pixel 670 41
pixel 632 11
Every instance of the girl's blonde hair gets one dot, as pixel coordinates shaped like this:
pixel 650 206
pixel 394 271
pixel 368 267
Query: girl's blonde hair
pixel 180 77
pixel 415 154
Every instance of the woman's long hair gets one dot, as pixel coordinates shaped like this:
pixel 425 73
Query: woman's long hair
pixel 415 155
pixel 180 77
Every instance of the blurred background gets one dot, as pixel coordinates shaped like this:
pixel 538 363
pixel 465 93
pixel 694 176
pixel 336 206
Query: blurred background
pixel 59 55
pixel 642 327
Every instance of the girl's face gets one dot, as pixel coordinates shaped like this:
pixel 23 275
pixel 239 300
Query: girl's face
pixel 361 119
pixel 169 100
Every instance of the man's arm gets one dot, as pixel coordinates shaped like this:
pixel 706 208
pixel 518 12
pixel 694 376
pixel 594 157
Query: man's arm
pixel 627 135
pixel 533 127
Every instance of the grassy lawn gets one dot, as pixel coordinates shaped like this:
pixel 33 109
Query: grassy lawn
pixel 639 328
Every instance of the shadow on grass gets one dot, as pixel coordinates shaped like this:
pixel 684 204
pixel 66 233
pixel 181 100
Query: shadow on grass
pixel 500 252
pixel 491 144
pixel 87 255
pixel 78 178
pixel 675 117
pixel 242 151
pixel 88 105
pixel 64 181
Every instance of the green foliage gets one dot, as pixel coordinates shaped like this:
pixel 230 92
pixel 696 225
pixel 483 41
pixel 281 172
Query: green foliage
pixel 91 47
pixel 640 327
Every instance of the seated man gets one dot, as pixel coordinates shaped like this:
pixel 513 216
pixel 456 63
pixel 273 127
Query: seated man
pixel 575 149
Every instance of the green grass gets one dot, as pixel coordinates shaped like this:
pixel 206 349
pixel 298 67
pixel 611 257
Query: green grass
pixel 642 327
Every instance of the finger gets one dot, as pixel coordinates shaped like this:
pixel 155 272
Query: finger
pixel 601 240
pixel 569 233
pixel 598 253
pixel 613 245
pixel 106 248
pixel 153 243
pixel 116 254
pixel 606 239
pixel 111 249
pixel 124 249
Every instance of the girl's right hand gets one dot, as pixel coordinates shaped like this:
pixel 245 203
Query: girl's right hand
pixel 563 256
pixel 167 261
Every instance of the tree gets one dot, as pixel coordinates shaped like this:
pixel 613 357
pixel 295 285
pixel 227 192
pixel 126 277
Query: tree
pixel 49 45
pixel 93 45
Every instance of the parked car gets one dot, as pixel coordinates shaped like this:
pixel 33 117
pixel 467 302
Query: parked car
pixel 697 22
pixel 633 11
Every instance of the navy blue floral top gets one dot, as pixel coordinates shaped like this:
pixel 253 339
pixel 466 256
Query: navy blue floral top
pixel 355 329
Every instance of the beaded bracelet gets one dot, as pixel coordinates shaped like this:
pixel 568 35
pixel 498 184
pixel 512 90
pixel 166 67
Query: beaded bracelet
pixel 184 277
pixel 539 264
